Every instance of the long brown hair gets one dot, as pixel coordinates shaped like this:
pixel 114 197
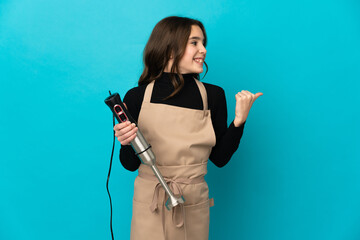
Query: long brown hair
pixel 168 39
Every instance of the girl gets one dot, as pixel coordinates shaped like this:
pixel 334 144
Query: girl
pixel 185 122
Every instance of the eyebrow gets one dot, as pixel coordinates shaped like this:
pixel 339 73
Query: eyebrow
pixel 196 38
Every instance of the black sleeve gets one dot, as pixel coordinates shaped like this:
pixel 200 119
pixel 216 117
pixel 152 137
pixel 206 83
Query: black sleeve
pixel 133 100
pixel 227 138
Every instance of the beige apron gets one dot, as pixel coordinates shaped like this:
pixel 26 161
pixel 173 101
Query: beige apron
pixel 181 139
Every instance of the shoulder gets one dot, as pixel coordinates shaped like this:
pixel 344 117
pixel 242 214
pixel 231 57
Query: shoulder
pixel 214 91
pixel 135 93
pixel 216 97
pixel 134 98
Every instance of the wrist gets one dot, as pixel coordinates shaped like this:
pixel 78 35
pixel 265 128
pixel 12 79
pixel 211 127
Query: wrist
pixel 238 122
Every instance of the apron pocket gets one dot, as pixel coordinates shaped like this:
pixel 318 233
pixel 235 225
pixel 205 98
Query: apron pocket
pixel 197 219
pixel 145 225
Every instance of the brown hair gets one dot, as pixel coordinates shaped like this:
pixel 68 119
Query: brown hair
pixel 168 39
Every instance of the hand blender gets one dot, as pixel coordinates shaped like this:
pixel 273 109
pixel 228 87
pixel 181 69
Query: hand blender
pixel 141 147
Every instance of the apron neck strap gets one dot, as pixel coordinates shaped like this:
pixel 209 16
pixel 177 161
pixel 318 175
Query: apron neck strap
pixel 148 92
pixel 203 93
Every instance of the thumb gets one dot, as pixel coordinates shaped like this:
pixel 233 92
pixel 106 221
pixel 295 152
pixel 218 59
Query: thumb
pixel 125 105
pixel 258 95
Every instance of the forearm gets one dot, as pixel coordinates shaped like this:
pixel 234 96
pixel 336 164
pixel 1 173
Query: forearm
pixel 128 158
pixel 227 145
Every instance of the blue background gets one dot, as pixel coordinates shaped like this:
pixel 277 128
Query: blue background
pixel 296 174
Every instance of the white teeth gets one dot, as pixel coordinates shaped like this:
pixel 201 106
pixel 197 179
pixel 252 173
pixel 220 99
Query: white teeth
pixel 199 60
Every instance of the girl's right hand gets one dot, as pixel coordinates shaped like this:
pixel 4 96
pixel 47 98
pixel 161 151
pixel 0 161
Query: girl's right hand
pixel 125 132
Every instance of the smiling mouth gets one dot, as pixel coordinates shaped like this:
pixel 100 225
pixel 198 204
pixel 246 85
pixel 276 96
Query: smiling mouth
pixel 199 60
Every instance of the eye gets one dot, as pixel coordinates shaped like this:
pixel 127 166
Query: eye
pixel 194 43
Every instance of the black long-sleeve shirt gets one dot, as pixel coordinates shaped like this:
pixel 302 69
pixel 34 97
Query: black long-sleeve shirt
pixel 227 138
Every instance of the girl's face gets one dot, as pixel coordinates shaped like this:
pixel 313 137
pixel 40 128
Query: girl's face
pixel 195 52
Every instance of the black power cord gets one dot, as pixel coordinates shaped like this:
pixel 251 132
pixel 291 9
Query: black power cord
pixel 108 177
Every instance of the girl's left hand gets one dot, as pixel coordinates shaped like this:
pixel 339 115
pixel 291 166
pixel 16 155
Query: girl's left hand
pixel 244 101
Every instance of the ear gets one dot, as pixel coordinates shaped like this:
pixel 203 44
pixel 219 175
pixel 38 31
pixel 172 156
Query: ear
pixel 172 54
pixel 169 65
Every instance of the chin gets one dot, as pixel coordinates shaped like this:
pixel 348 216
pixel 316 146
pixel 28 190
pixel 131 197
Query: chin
pixel 198 70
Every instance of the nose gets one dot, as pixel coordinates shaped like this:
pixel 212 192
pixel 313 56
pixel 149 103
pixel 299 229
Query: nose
pixel 202 49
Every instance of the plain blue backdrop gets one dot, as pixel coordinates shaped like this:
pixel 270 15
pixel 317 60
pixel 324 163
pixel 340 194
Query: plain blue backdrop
pixel 296 174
